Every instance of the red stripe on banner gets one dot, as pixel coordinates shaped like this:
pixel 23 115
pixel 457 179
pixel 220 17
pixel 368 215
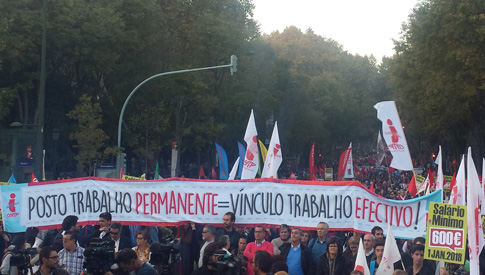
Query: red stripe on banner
pixel 284 181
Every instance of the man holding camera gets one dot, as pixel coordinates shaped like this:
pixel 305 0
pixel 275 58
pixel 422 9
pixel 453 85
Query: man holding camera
pixel 71 257
pixel 49 261
pixel 129 262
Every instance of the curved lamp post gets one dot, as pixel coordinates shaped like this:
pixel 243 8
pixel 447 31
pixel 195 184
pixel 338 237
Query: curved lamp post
pixel 119 160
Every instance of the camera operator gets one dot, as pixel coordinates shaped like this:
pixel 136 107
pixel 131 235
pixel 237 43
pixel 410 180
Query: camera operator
pixel 18 244
pixel 71 257
pixel 128 260
pixel 208 261
pixel 50 260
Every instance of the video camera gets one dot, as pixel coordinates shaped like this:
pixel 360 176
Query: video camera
pixel 164 254
pixel 100 255
pixel 21 259
pixel 227 265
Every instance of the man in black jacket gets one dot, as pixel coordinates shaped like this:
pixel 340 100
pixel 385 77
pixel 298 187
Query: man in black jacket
pixel 298 256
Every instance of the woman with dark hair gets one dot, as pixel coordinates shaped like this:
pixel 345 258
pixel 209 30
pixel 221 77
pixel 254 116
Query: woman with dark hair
pixel 332 262
pixel 17 244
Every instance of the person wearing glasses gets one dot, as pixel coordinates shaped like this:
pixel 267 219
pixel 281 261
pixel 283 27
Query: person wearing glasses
pixel 332 262
pixel 209 236
pixel 121 242
pixel 142 249
pixel 49 262
pixel 259 244
pixel 71 257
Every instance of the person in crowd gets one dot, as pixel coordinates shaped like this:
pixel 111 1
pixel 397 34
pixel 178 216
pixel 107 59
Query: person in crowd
pixel 455 269
pixel 71 257
pixel 378 233
pixel 259 244
pixel 417 253
pixel 262 263
pixel 129 261
pixel 356 272
pixel 332 262
pixel 208 258
pixel 318 245
pixel 399 272
pixel 228 229
pixel 142 249
pixel 189 247
pixel 49 261
pixel 379 251
pixel 101 232
pixel 402 195
pixel 369 248
pixel 115 234
pixel 298 257
pixel 305 238
pixel 350 254
pixel 241 247
pixel 209 236
pixel 18 243
pixel 224 243
pixel 283 238
pixel 68 224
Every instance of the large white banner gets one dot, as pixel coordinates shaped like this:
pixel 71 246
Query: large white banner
pixel 343 205
pixel 394 135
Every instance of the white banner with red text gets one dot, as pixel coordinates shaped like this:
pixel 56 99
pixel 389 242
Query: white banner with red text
pixel 344 205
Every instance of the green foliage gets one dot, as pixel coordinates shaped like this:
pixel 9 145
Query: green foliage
pixel 89 137
pixel 437 73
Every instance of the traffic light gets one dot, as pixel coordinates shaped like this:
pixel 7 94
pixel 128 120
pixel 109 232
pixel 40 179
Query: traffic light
pixel 123 162
pixel 233 64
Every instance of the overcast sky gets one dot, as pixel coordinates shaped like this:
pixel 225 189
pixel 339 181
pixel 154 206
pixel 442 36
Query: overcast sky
pixel 361 27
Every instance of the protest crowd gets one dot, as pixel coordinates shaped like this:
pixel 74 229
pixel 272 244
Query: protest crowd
pixel 207 249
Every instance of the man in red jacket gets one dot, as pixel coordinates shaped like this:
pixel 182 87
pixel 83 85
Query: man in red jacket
pixel 258 244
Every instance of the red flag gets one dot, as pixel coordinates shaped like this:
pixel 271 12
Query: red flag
pixel 372 187
pixel 357 171
pixel 431 179
pixel 33 178
pixel 412 187
pixel 312 163
pixel 292 176
pixel 344 158
pixel 453 181
pixel 121 173
pixel 201 173
pixel 454 163
pixel 214 174
pixel 321 169
pixel 391 170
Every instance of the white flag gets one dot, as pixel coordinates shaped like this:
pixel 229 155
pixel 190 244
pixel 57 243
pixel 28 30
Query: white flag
pixel 457 195
pixel 232 175
pixel 394 135
pixel 381 149
pixel 349 166
pixel 482 191
pixel 360 261
pixel 475 228
pixel 390 256
pixel 425 187
pixel 274 156
pixel 251 159
pixel 440 177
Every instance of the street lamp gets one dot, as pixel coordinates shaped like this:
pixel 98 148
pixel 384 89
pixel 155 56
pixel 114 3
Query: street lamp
pixel 119 160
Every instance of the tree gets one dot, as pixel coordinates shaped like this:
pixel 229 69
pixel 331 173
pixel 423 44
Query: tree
pixel 89 137
pixel 437 74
